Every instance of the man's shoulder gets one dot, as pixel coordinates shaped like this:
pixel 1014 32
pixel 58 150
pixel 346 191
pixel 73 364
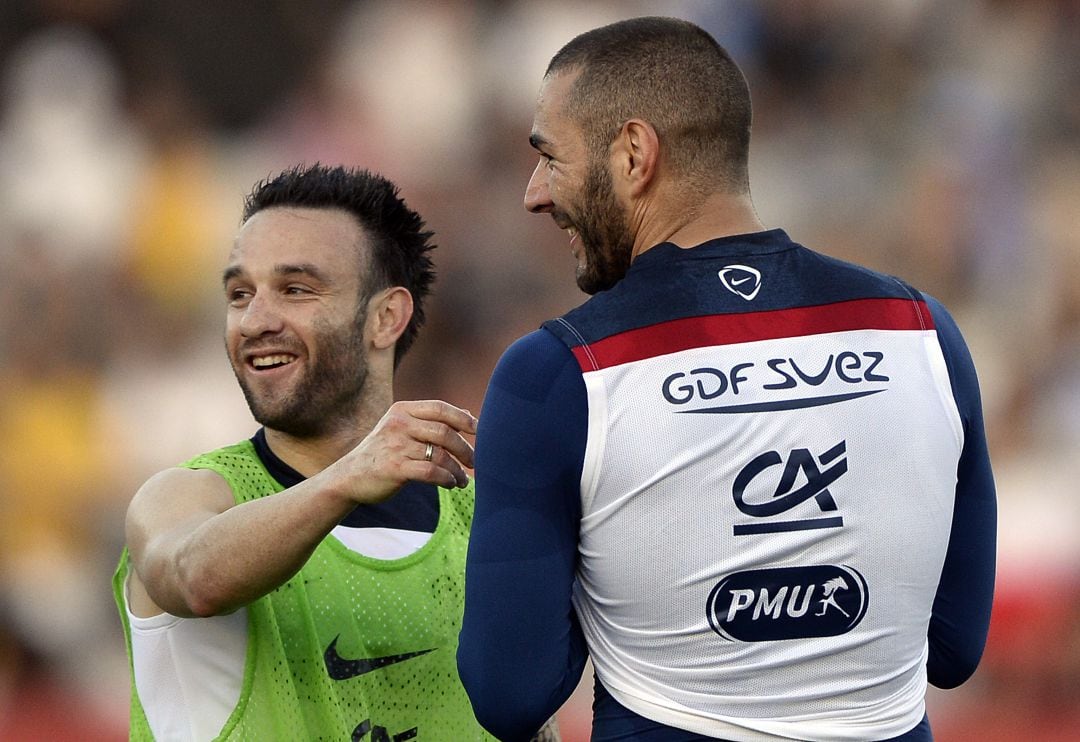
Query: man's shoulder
pixel 541 346
pixel 855 274
pixel 244 449
pixel 240 465
pixel 212 470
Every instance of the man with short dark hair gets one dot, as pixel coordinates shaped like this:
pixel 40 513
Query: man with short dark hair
pixel 748 480
pixel 307 583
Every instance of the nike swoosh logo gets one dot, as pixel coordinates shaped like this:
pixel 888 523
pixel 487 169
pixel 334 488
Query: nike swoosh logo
pixel 340 668
pixel 737 282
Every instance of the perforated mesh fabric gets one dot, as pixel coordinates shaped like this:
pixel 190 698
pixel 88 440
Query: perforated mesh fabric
pixel 352 608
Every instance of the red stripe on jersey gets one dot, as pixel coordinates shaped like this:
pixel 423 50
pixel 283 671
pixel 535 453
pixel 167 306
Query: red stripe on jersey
pixel 729 329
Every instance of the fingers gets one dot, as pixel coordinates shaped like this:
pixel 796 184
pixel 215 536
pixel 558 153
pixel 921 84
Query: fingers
pixel 439 423
pixel 442 436
pixel 429 438
pixel 435 410
pixel 443 469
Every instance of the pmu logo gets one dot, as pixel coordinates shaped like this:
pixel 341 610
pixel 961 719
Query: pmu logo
pixel 741 279
pixel 817 474
pixel 787 603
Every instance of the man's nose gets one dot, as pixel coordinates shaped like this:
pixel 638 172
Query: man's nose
pixel 537 193
pixel 260 316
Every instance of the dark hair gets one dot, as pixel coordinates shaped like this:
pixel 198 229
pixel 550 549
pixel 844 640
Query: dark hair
pixel 399 244
pixel 672 74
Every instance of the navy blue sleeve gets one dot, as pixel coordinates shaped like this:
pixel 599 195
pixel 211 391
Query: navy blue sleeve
pixel 961 614
pixel 521 650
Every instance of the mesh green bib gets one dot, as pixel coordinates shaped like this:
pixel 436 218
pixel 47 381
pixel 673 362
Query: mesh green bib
pixel 350 648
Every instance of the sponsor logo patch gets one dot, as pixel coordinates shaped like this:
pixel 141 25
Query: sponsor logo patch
pixel 707 390
pixel 751 489
pixel 787 603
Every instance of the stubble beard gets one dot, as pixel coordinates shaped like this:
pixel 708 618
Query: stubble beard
pixel 326 396
pixel 604 233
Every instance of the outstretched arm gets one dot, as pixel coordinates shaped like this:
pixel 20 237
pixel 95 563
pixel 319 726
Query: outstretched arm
pixel 521 650
pixel 195 553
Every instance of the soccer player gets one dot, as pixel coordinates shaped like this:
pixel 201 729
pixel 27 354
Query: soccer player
pixel 748 480
pixel 307 583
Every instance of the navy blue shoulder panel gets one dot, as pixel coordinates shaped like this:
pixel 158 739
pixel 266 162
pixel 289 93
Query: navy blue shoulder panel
pixel 731 275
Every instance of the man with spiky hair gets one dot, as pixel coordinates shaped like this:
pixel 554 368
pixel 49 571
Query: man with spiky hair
pixel 748 480
pixel 307 583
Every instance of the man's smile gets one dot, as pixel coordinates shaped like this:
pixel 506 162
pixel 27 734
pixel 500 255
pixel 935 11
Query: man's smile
pixel 274 360
pixel 575 242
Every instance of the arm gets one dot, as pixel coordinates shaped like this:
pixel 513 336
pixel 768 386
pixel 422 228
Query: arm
pixel 521 650
pixel 960 618
pixel 195 553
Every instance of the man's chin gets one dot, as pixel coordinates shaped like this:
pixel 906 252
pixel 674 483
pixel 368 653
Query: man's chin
pixel 591 283
pixel 584 280
pixel 587 279
pixel 283 419
pixel 291 426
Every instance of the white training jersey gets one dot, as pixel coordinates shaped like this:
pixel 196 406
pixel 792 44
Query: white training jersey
pixel 767 499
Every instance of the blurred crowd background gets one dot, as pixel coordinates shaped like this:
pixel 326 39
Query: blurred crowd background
pixel 938 141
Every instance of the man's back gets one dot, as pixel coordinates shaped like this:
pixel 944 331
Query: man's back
pixel 767 486
pixel 789 424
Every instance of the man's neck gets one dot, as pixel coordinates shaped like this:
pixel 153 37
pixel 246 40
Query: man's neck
pixel 309 455
pixel 718 215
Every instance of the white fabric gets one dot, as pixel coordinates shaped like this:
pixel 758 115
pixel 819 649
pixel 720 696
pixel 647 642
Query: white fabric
pixel 660 522
pixel 381 543
pixel 188 672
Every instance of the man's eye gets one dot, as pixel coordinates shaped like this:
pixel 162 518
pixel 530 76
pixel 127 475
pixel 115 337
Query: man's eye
pixel 236 295
pixel 297 290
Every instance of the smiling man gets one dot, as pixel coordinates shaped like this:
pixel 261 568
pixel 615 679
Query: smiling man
pixel 748 480
pixel 307 583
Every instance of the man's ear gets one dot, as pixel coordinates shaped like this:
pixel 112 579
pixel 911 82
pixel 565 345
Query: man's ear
pixel 388 314
pixel 635 153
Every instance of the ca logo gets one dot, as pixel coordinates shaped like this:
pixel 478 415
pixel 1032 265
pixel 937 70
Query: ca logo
pixel 820 472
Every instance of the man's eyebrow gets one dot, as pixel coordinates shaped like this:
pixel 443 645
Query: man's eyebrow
pixel 282 269
pixel 306 269
pixel 537 141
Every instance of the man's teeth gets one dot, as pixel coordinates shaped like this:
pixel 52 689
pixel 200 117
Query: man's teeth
pixel 264 361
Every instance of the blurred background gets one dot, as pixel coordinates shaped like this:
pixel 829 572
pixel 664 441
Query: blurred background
pixel 937 141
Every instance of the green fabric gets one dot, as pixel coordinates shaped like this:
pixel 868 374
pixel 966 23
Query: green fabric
pixel 372 608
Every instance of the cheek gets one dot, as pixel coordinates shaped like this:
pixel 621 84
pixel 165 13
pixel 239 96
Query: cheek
pixel 233 334
pixel 563 191
pixel 553 184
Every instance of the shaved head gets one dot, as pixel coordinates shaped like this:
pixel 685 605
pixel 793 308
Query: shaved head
pixel 674 75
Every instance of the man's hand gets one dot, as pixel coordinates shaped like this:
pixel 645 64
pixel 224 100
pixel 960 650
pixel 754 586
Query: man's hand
pixel 421 441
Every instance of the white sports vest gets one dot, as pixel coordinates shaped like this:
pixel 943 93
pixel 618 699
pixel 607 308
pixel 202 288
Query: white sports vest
pixel 766 505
